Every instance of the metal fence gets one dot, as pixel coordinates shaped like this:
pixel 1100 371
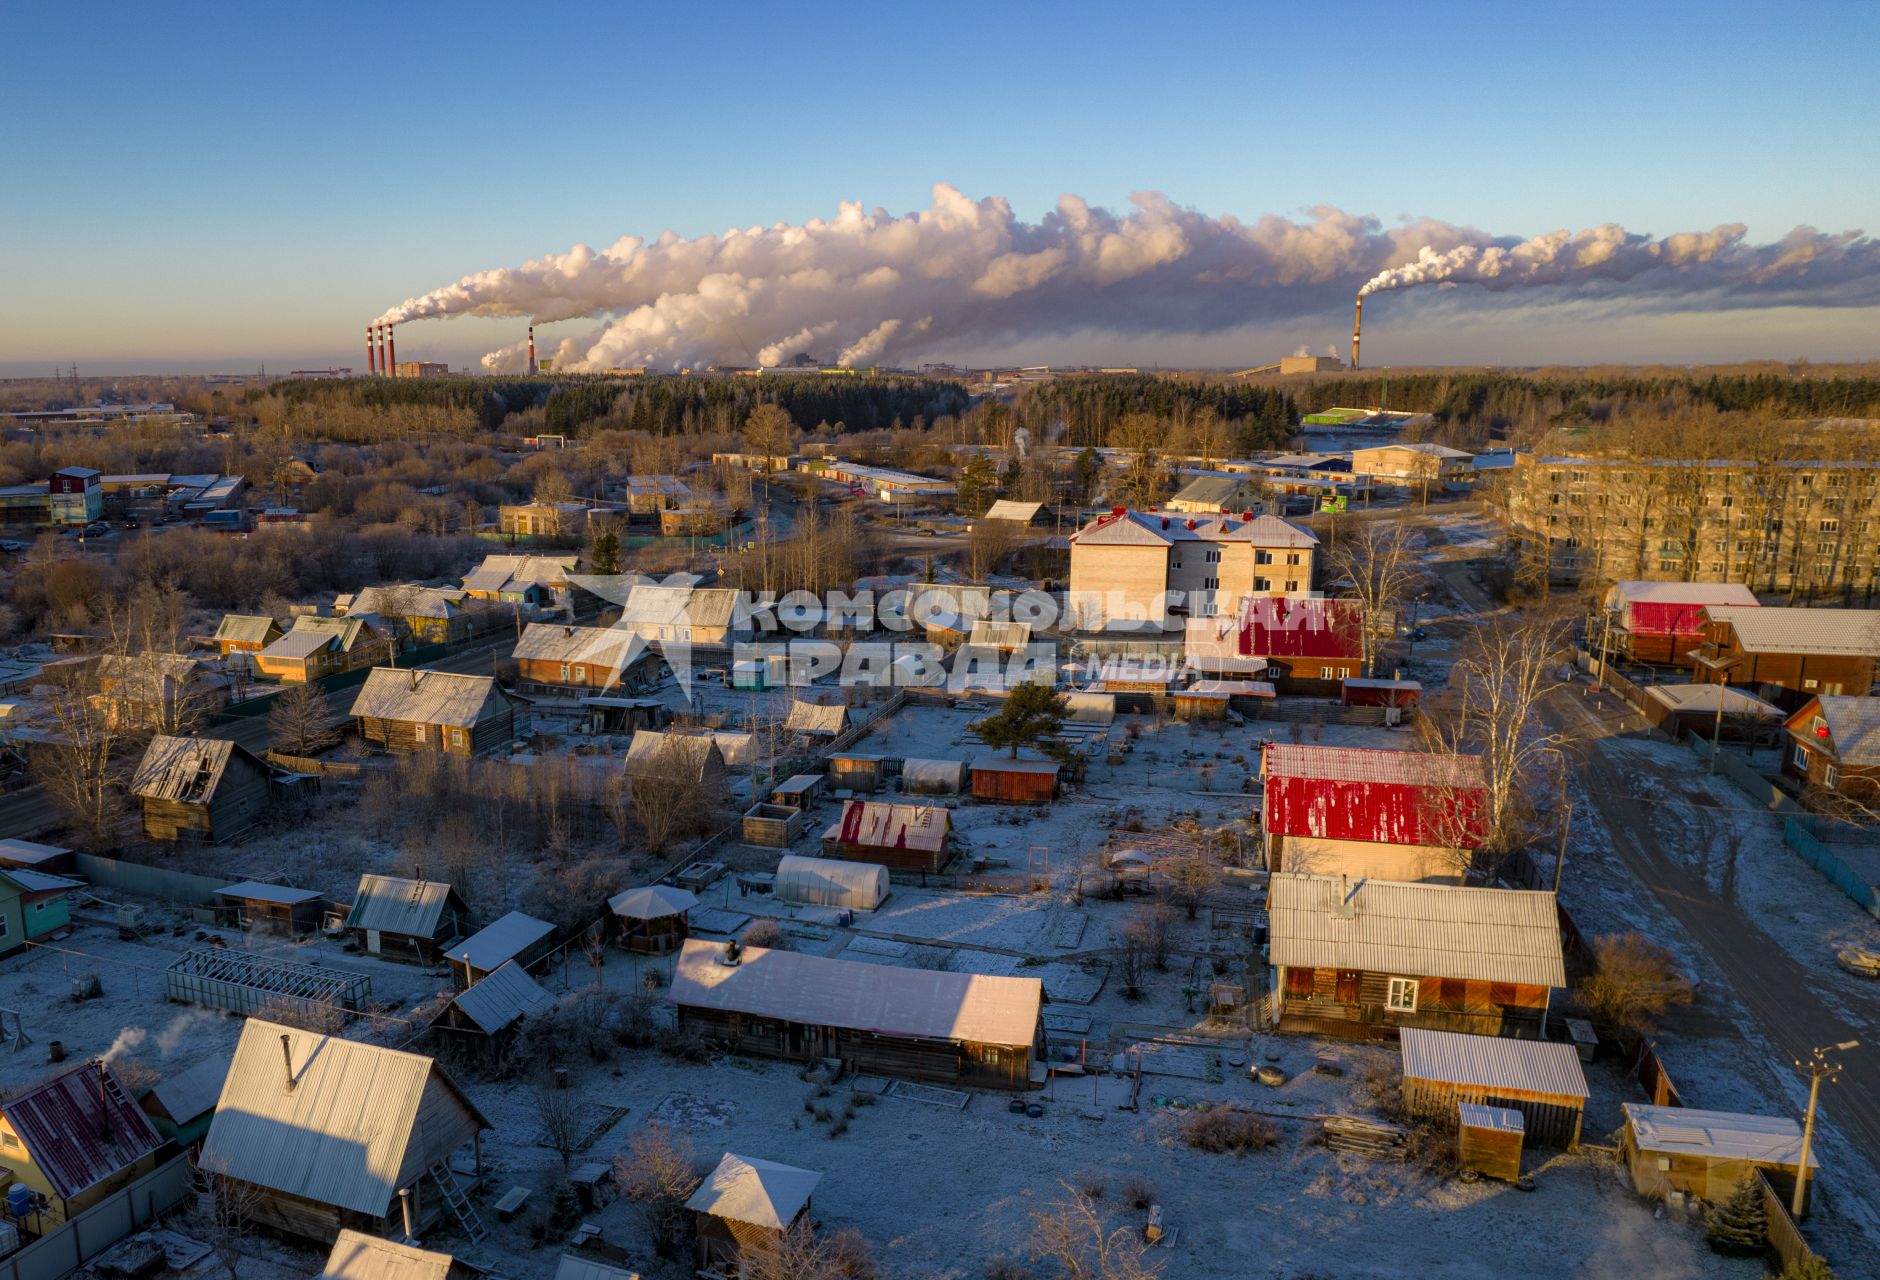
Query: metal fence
pixel 84 1237
pixel 1823 859
pixel 149 882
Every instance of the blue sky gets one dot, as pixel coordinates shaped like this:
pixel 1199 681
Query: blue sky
pixel 222 185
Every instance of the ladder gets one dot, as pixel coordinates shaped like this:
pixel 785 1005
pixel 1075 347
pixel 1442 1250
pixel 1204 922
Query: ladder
pixel 458 1203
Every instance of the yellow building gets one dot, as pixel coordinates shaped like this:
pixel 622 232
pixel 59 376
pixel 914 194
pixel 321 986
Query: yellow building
pixel 1149 568
pixel 75 1139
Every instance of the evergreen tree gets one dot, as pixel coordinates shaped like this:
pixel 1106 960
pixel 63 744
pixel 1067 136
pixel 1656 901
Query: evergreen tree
pixel 977 483
pixel 1811 1267
pixel 1085 470
pixel 604 555
pixel 1031 713
pixel 1739 1226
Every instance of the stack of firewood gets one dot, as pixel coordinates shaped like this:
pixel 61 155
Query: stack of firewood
pixel 1365 1137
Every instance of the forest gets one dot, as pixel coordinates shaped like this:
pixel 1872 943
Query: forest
pixel 1091 408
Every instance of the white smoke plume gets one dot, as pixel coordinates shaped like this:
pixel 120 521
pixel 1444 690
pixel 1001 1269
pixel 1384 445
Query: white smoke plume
pixel 885 287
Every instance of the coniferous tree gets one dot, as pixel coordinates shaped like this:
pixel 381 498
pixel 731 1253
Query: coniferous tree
pixel 1739 1225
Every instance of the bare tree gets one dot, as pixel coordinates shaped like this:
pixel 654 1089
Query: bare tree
pixel 767 432
pixel 301 722
pixel 77 768
pixel 1634 981
pixel 1191 877
pixel 801 1254
pixel 1073 1235
pixel 670 794
pixel 1142 483
pixel 1378 559
pixel 987 545
pixel 223 1215
pixel 558 1111
pixel 659 1172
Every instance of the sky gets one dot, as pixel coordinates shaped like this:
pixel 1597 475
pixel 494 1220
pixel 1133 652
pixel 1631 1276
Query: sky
pixel 225 187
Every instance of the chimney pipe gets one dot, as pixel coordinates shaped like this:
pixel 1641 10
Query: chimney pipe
pixel 404 1203
pixel 391 352
pixel 104 1100
pixel 372 360
pixel 287 1058
pixel 531 350
pixel 1357 324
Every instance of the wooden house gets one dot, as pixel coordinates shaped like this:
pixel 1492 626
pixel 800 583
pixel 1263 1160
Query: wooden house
pixel 1788 656
pixel 246 633
pixel 693 757
pixel 1299 644
pixel 742 1210
pixel 917 1024
pixel 486 1015
pixel 32 905
pixel 1682 1151
pixel 328 1132
pixel 521 580
pixel 272 908
pixel 714 618
pixel 75 1139
pixel 429 615
pixel 1015 781
pixel 513 937
pixel 317 647
pixel 1659 623
pixel 653 917
pixel 902 837
pixel 205 789
pixel 1365 958
pixel 438 711
pixel 358 1256
pixel 406 919
pixel 1833 745
pixel 1386 815
pixel 1541 1079
pixel 157 691
pixel 852 771
pixel 571 661
pixel 181 1104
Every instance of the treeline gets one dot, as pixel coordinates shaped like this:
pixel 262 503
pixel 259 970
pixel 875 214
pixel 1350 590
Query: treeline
pixel 1092 408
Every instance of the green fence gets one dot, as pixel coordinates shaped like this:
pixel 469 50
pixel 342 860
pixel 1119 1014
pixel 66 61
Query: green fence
pixel 1823 859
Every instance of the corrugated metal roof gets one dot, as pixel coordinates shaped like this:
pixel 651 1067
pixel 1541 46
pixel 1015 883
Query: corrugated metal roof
pixel 1416 930
pixel 301 643
pixel 1705 697
pixel 573 1268
pixel 423 697
pixel 185 769
pixel 1721 1135
pixel 1828 631
pixel 406 600
pixel 516 573
pixel 357 1256
pixel 1630 592
pixel 824 992
pixel 500 997
pixel 391 904
pixel 1152 528
pixel 1492 1062
pixel 760 1192
pixel 1000 764
pixel 1853 728
pixel 1476 1116
pixel 1000 635
pixel 1367 764
pixel 40 881
pixel 597 646
pixel 709 607
pixel 340 1135
pixel 652 902
pixel 77 1131
pixel 878 824
pixel 1008 509
pixel 654 749
pixel 1289 627
pixel 31 852
pixel 500 941
pixel 245 628
pixel 279 894
pixel 192 1092
pixel 811 717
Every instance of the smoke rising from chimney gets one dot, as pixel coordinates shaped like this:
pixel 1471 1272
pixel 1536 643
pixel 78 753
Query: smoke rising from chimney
pixel 883 287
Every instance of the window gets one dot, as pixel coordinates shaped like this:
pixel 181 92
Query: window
pixel 1325 673
pixel 1801 757
pixel 580 674
pixel 1403 996
pixel 1292 558
pixel 5 926
pixel 38 907
pixel 1830 777
pixel 1809 684
pixel 1292 584
pixel 1263 557
pixel 564 673
pixel 456 737
pixel 1728 501
pixel 1261 584
pixel 1214 557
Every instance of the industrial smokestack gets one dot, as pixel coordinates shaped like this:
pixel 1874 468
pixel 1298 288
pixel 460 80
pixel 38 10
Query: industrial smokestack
pixel 391 352
pixel 1357 325
pixel 531 350
pixel 372 362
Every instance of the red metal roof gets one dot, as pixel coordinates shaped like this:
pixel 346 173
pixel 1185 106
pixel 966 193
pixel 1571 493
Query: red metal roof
pixel 1383 797
pixel 80 1128
pixel 1286 627
pixel 1664 618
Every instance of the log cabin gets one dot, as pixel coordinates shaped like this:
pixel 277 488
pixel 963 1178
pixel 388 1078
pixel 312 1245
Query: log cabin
pixel 317 647
pixel 552 658
pixel 1658 623
pixel 406 919
pixel 1364 958
pixel 1787 656
pixel 742 1210
pixel 204 789
pixel 1833 749
pixel 438 711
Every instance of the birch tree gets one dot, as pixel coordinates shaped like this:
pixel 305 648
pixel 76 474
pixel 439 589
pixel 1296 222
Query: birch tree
pixel 1377 559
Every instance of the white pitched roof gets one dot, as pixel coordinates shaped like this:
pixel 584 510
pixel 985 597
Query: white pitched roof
pixel 423 697
pixel 499 998
pixel 501 941
pixel 1766 629
pixel 358 1256
pixel 1722 1135
pixel 1705 697
pixel 1492 1062
pixel 652 902
pixel 818 991
pixel 598 646
pixel 1853 728
pixel 1415 930
pixel 1632 591
pixel 760 1192
pixel 812 717
pixel 1152 528
pixel 1007 509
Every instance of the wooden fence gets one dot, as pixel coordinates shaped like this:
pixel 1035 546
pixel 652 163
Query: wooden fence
pixel 1784 1236
pixel 1649 1068
pixel 324 768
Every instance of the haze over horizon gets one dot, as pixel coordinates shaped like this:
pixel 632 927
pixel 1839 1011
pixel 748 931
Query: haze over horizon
pixel 250 188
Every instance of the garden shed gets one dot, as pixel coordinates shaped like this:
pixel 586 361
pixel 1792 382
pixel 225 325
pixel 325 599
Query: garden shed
pixel 1488 1139
pixel 828 882
pixel 516 936
pixel 1706 1153
pixel 273 908
pixel 1538 1078
pixel 852 772
pixel 406 919
pixel 1017 781
pixel 904 837
pixel 743 1209
pixel 486 1015
pixel 182 1104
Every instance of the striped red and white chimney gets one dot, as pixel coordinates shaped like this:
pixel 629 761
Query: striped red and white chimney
pixel 391 352
pixel 372 361
pixel 531 350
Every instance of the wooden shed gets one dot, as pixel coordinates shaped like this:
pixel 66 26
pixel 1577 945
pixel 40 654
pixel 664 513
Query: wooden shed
pixel 743 1209
pixel 904 837
pixel 437 711
pixel 200 788
pixel 486 1016
pixel 1488 1139
pixel 798 791
pixel 849 771
pixel 515 936
pixel 918 1024
pixel 358 1256
pixel 1538 1078
pixel 1015 781
pixel 272 908
pixel 1365 691
pixel 182 1103
pixel 32 856
pixel 1681 1150
pixel 406 919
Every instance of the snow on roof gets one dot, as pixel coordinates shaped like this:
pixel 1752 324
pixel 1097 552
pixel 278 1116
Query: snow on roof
pixel 258 891
pixel 599 646
pixel 31 852
pixel 1853 728
pixel 406 600
pixel 343 1133
pixel 423 697
pixel 357 1256
pixel 40 881
pixel 1152 528
pixel 878 824
pixel 689 606
pixel 1775 630
pixel 1630 591
pixel 245 628
pixel 573 1268
pixel 299 644
pixel 760 1192
pixel 1003 764
pixel 391 904
pixel 1422 930
pixel 1705 697
pixel 1000 635
pixel 812 717
pixel 1492 1062
pixel 738 749
pixel 652 902
pixel 1228 689
pixel 501 941
pixel 185 769
pixel 1371 764
pixel 184 1095
pixel 653 748
pixel 1007 509
pixel 1474 1115
pixel 887 1000
pixel 1722 1135
pixel 500 997
pixel 78 1133
pixel 514 573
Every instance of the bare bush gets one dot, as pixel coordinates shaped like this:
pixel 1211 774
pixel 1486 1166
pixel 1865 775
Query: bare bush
pixel 1634 982
pixel 558 1112
pixel 765 932
pixel 801 1254
pixel 1191 877
pixel 1074 1235
pixel 300 721
pixel 659 1172
pixel 1225 1131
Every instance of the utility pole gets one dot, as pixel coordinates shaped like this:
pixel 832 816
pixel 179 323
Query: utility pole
pixel 1818 1067
pixel 1566 822
pixel 1716 729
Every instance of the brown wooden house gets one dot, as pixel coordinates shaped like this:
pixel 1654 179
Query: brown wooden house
pixel 200 788
pixel 917 1024
pixel 1681 1151
pixel 1787 656
pixel 743 1209
pixel 246 633
pixel 317 647
pixel 1366 957
pixel 1540 1079
pixel 556 659
pixel 1834 747
pixel 1015 781
pixel 328 1132
pixel 406 919
pixel 157 691
pixel 441 711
